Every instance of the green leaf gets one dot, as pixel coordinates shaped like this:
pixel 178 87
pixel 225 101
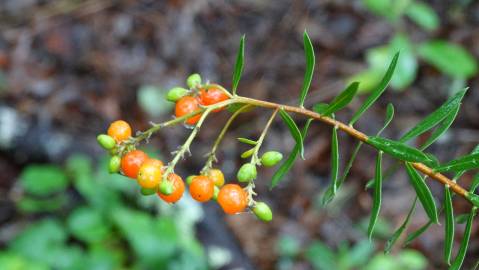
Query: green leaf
pixel 288 163
pixel 461 219
pixel 464 163
pixel 423 15
pixel 310 60
pixel 460 173
pixel 43 180
pixel 387 121
pixel 474 184
pixel 449 58
pixel 441 129
pixel 414 235
pixel 320 107
pixel 331 191
pixel 321 256
pixel 293 128
pixel 461 254
pixel 399 150
pixel 88 224
pixel 406 69
pixel 389 118
pixel 376 92
pixel 436 117
pixel 238 65
pixel 247 141
pixel 28 204
pixel 339 102
pixel 423 192
pixel 378 180
pixel 248 153
pixel 391 241
pixel 449 225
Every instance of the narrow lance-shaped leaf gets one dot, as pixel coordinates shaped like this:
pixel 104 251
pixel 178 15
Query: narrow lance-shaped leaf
pixel 449 225
pixel 423 192
pixel 399 150
pixel 247 141
pixel 461 254
pixel 411 237
pixel 331 191
pixel 238 65
pixel 436 117
pixel 387 121
pixel 378 179
pixel 460 173
pixel 310 61
pixel 293 128
pixel 474 184
pixel 464 163
pixel 376 93
pixel 288 163
pixel 341 101
pixel 390 243
pixel 441 129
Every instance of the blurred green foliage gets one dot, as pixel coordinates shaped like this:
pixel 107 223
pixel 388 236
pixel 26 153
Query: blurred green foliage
pixel 359 256
pixel 450 59
pixel 81 218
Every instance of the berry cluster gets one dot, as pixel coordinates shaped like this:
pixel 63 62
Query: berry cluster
pixel 155 178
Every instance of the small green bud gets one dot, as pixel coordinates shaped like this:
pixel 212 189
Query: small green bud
pixel 166 188
pixel 193 80
pixel 148 191
pixel 189 179
pixel 247 173
pixel 176 93
pixel 106 141
pixel 263 212
pixel 271 158
pixel 114 164
pixel 216 192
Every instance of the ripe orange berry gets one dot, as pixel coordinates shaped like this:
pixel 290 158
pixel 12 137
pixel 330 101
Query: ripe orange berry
pixel 212 96
pixel 119 130
pixel 202 188
pixel 131 163
pixel 178 189
pixel 188 105
pixel 216 176
pixel 150 173
pixel 232 198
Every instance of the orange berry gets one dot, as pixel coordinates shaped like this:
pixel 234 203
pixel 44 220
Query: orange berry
pixel 178 189
pixel 131 163
pixel 150 173
pixel 202 188
pixel 212 96
pixel 217 177
pixel 186 105
pixel 232 198
pixel 119 130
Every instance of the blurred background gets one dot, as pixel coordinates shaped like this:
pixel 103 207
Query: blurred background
pixel 69 67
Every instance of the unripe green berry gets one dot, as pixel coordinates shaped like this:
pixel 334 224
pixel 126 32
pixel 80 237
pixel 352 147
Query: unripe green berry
pixel 216 192
pixel 263 212
pixel 189 179
pixel 106 141
pixel 148 191
pixel 271 158
pixel 247 173
pixel 166 188
pixel 193 80
pixel 176 93
pixel 114 164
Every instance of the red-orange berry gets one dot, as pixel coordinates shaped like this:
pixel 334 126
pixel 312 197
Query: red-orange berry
pixel 217 177
pixel 178 189
pixel 131 163
pixel 202 188
pixel 119 130
pixel 150 173
pixel 212 96
pixel 188 105
pixel 232 198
